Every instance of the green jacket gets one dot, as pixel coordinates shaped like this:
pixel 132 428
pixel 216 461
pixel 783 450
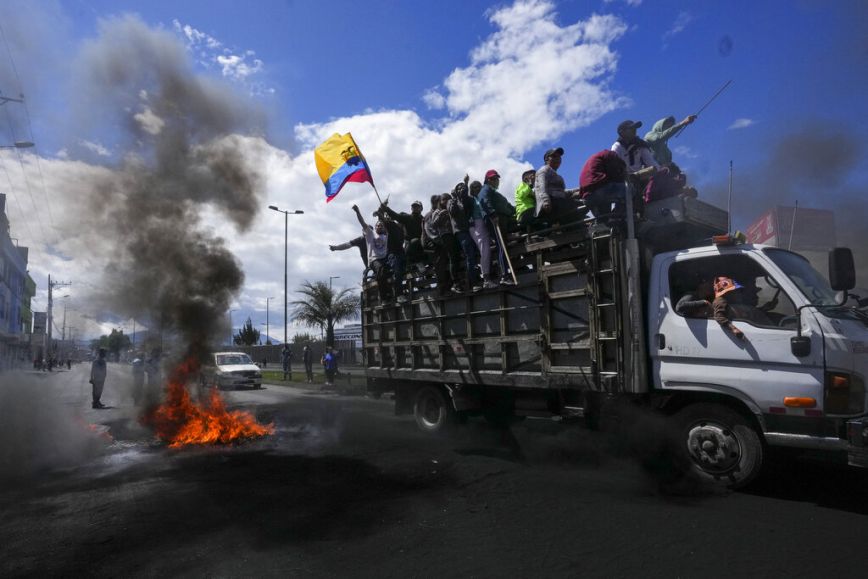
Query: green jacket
pixel 524 199
pixel 656 138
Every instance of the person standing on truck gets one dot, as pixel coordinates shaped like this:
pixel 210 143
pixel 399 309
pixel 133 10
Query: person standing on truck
pixel 98 372
pixel 395 248
pixel 697 303
pixel 358 242
pixel 554 202
pixel 481 235
pixel 633 150
pixel 437 234
pixel 525 202
pixel 663 130
pixel 378 253
pixel 601 183
pixel 412 224
pixel 460 206
pixel 499 214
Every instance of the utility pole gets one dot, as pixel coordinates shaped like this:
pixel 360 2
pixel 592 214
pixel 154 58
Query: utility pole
pixel 51 286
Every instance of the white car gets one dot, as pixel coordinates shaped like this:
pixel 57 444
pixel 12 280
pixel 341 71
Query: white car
pixel 231 370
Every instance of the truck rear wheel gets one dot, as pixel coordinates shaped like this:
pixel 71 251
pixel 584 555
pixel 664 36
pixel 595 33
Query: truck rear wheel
pixel 717 445
pixel 433 411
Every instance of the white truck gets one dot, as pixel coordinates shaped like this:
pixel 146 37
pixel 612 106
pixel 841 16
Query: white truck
pixel 591 327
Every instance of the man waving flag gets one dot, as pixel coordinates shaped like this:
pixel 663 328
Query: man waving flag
pixel 339 161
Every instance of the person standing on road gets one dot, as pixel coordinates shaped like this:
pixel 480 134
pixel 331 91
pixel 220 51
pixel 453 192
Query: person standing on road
pixel 286 358
pixel 307 359
pixel 98 371
pixel 330 365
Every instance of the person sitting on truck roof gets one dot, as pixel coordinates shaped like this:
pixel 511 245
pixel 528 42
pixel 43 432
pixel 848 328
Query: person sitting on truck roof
pixel 377 239
pixel 660 133
pixel 358 242
pixel 602 183
pixel 698 302
pixel 412 224
pixel 437 235
pixel 525 202
pixel 633 151
pixel 499 214
pixel 554 202
pixel 667 182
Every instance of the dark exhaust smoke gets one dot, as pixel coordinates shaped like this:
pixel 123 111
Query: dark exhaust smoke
pixel 189 147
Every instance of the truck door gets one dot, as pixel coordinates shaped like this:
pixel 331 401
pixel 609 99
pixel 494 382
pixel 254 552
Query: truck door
pixel 691 351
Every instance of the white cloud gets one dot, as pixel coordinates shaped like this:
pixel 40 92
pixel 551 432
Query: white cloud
pixel 628 2
pixel 683 152
pixel 234 64
pixel 681 22
pixel 741 123
pixel 565 72
pixel 97 148
pixel 149 121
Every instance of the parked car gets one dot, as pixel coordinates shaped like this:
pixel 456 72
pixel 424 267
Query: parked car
pixel 231 370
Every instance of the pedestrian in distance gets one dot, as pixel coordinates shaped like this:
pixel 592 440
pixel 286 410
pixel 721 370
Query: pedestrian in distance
pixel 307 358
pixel 329 364
pixel 138 368
pixel 98 371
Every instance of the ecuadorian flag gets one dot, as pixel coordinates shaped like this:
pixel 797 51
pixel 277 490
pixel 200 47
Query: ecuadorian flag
pixel 339 161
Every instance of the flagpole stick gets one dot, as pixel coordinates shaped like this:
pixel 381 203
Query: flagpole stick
pixel 377 193
pixel 505 253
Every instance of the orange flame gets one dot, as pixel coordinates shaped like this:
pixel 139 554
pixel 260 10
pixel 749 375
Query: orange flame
pixel 180 421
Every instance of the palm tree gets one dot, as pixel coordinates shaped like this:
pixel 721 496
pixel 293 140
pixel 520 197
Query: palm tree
pixel 323 307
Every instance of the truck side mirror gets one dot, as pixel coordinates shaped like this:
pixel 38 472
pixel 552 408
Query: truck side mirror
pixel 842 272
pixel 800 346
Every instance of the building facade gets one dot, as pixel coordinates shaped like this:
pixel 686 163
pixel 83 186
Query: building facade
pixel 14 300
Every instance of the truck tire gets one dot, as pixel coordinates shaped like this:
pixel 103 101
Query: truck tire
pixel 433 411
pixel 716 445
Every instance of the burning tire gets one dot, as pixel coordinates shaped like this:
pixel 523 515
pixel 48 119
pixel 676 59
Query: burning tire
pixel 716 445
pixel 433 411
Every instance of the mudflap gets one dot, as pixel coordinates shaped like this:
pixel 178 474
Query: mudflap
pixel 857 443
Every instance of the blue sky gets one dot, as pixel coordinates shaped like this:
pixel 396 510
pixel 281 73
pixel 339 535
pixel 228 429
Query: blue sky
pixel 376 68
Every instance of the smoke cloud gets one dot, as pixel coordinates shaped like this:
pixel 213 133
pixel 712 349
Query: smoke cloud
pixel 816 166
pixel 189 147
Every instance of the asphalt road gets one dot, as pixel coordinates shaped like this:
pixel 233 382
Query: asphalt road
pixel 346 489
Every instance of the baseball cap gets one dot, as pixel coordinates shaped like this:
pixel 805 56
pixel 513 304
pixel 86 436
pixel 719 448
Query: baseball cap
pixel 491 173
pixel 629 125
pixel 559 151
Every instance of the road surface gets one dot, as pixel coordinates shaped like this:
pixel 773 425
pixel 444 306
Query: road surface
pixel 344 488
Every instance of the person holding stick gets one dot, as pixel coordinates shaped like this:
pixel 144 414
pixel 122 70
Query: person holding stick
pixel 499 214
pixel 660 133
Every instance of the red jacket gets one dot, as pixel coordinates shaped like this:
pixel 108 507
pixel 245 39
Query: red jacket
pixel 601 168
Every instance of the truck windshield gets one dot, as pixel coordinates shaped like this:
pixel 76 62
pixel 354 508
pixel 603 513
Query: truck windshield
pixel 812 284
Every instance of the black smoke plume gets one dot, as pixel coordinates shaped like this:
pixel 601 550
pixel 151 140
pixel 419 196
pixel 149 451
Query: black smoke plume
pixel 190 144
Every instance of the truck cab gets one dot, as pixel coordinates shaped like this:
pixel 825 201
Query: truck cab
pixel 799 371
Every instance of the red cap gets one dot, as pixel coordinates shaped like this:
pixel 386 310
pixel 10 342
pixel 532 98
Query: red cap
pixel 491 173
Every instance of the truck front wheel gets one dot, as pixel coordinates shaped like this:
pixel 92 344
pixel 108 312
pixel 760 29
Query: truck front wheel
pixel 433 412
pixel 717 445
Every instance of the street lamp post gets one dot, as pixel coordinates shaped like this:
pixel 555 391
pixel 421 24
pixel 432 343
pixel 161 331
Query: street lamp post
pixel 266 318
pixel 285 262
pixel 230 327
pixel 331 277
